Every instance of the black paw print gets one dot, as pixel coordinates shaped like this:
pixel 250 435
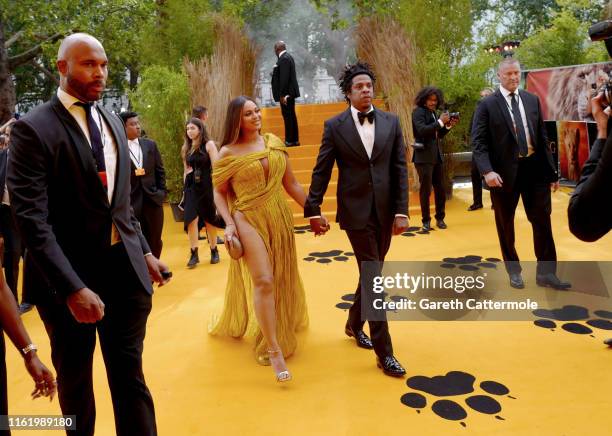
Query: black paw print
pixel 329 256
pixel 347 302
pixel 470 262
pixel 569 315
pixel 413 231
pixel 454 383
pixel 301 229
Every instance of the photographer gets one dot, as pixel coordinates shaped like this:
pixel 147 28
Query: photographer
pixel 590 211
pixel 428 129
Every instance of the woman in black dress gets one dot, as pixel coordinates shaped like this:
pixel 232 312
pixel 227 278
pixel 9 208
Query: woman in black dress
pixel 198 153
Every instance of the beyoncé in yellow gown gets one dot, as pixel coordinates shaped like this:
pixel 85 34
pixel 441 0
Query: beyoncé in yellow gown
pixel 265 208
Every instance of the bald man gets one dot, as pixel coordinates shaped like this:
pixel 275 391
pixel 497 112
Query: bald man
pixel 88 267
pixel 285 89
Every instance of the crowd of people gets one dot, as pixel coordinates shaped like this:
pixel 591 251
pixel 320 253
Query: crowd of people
pixel 84 195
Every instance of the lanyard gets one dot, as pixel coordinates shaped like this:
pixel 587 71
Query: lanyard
pixel 137 161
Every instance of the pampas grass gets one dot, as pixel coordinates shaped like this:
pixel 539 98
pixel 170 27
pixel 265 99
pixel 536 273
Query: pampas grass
pixel 387 47
pixel 226 74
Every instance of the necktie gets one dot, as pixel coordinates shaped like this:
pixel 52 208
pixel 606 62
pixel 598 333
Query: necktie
pixel 518 125
pixel 96 139
pixel 361 116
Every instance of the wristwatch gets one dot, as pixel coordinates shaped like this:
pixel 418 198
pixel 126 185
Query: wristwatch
pixel 30 347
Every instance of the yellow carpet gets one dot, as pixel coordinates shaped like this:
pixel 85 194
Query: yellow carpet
pixel 559 383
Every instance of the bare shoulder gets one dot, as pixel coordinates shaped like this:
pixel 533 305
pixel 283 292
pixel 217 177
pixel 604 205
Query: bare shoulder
pixel 225 152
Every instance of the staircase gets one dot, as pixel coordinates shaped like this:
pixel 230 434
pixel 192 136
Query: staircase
pixel 303 158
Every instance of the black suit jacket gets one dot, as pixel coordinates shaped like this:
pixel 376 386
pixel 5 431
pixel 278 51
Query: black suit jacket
pixel 284 79
pixel 61 207
pixel 495 143
pixel 153 184
pixel 427 130
pixel 379 182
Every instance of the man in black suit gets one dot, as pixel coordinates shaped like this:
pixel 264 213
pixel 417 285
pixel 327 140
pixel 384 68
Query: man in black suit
pixel 512 153
pixel 285 89
pixel 368 147
pixel 148 181
pixel 89 266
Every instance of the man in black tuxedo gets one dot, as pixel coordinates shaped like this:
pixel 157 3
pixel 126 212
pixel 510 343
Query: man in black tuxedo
pixel 148 181
pixel 89 266
pixel 368 147
pixel 285 89
pixel 512 153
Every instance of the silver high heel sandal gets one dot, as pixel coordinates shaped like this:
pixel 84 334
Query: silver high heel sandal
pixel 283 376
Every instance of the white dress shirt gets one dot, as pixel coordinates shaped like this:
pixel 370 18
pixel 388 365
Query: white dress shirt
pixel 506 94
pixel 366 131
pixel 108 141
pixel 135 152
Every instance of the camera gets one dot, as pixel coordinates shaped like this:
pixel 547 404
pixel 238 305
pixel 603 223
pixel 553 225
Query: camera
pixel 602 31
pixel 454 115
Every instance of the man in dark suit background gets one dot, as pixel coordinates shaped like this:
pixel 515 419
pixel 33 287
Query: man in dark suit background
pixel 512 153
pixel 475 173
pixel 148 182
pixel 285 89
pixel 368 146
pixel 89 266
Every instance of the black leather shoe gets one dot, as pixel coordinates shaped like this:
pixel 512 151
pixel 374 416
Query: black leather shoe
pixel 474 207
pixel 516 281
pixel 362 340
pixel 552 281
pixel 390 366
pixel 608 342
pixel 427 226
pixel 441 224
pixel 194 259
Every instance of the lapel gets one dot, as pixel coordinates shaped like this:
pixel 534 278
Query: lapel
pixel 382 127
pixel 122 151
pixel 503 107
pixel 79 140
pixel 349 132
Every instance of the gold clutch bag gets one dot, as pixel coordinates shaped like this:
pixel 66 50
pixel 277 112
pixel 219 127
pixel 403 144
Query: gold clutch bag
pixel 235 250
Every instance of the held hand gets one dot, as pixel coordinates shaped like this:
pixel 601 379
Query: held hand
pixel 454 122
pixel 44 381
pixel 445 118
pixel 319 226
pixel 283 100
pixel 155 267
pixel 400 224
pixel 554 186
pixel 493 180
pixel 86 306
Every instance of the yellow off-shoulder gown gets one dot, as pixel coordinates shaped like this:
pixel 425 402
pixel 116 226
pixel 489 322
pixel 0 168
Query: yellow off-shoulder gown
pixel 264 206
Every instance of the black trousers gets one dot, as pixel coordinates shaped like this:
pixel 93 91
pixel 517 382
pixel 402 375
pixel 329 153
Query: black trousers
pixel 370 244
pixel 291 123
pixel 536 200
pixel 151 217
pixel 13 248
pixel 431 175
pixel 476 184
pixel 3 387
pixel 121 332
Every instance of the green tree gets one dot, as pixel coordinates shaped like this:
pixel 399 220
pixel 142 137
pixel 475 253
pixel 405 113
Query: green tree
pixel 162 100
pixel 30 31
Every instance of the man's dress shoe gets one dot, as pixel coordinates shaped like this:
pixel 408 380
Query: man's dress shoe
pixel 516 281
pixel 390 366
pixel 552 281
pixel 441 224
pixel 360 337
pixel 474 207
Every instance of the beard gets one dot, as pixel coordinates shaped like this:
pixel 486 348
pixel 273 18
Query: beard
pixel 85 90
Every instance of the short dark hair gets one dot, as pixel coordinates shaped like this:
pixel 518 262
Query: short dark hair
pixel 425 93
pixel 345 81
pixel 125 116
pixel 198 111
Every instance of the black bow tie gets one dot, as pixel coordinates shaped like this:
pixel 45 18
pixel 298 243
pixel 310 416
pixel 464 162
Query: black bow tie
pixel 361 116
